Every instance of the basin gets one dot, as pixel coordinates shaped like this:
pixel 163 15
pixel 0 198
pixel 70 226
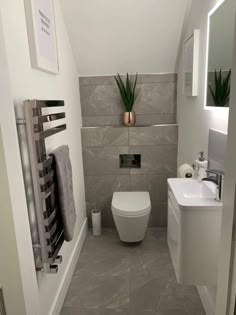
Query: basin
pixel 193 233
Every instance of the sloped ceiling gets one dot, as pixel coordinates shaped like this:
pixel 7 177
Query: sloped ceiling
pixel 110 36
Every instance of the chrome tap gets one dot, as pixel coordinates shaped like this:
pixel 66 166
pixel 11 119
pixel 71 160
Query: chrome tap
pixel 218 180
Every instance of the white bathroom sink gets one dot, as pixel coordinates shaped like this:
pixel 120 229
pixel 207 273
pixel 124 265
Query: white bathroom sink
pixel 193 193
pixel 194 225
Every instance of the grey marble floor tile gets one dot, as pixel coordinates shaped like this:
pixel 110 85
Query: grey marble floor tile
pixel 112 278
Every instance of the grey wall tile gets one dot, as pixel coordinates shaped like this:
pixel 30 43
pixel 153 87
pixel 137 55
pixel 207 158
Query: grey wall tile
pixel 156 98
pixel 217 145
pixel 155 119
pixel 160 159
pixel 101 106
pixel 96 80
pixel 156 185
pixel 99 192
pixel 156 135
pixel 104 136
pixel 103 120
pixel 141 120
pixel 100 96
pixel 142 78
pixel 158 215
pixel 103 160
pixel 157 78
pixel 99 100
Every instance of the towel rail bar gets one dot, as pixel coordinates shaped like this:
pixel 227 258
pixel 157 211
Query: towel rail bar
pixel 49 132
pixel 48 118
pixel 48 192
pixel 46 178
pixel 45 164
pixel 49 222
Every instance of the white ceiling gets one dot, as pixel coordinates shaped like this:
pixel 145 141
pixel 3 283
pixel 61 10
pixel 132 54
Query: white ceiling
pixel 110 36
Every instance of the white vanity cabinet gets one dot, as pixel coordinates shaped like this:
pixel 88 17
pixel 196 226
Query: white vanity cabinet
pixel 193 237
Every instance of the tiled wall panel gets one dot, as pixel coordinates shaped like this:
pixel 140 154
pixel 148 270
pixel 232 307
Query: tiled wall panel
pixel 104 138
pixel 155 104
pixel 103 176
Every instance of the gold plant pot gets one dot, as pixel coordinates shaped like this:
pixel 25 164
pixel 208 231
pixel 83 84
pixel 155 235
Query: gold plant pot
pixel 129 119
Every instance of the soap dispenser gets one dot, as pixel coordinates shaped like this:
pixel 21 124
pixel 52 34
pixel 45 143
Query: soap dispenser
pixel 200 166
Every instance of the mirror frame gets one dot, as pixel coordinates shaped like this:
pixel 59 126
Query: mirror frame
pixel 211 108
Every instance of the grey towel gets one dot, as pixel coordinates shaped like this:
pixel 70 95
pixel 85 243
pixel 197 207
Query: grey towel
pixel 65 190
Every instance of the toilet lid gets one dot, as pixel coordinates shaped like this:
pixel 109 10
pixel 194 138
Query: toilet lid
pixel 131 203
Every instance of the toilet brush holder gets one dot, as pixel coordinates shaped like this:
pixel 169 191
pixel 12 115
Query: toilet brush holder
pixel 96 222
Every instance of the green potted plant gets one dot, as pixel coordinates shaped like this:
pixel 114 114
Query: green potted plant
pixel 128 95
pixel 221 92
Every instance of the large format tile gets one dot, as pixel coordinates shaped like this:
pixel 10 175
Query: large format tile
pixel 156 98
pixel 104 136
pixel 154 135
pixel 116 278
pixel 103 160
pixel 99 191
pixel 155 119
pixel 160 159
pixel 158 216
pixel 155 184
pixel 177 298
pixel 142 78
pixel 99 100
pixel 105 120
pixel 141 120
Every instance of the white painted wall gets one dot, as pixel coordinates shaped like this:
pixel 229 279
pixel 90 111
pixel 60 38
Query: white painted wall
pixel 124 36
pixel 10 274
pixel 194 121
pixel 26 83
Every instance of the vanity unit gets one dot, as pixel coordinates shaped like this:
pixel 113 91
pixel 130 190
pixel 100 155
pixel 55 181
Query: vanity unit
pixel 194 223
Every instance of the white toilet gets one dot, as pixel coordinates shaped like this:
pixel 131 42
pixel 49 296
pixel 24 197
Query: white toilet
pixel 131 211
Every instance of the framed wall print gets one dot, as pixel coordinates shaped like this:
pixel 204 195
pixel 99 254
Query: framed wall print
pixel 42 35
pixel 191 63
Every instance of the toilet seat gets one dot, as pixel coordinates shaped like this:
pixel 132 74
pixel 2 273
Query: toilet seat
pixel 131 204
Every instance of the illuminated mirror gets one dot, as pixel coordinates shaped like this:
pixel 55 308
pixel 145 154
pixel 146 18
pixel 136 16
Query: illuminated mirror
pixel 220 53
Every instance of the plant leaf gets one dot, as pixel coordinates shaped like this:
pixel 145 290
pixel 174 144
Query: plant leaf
pixel 127 91
pixel 122 91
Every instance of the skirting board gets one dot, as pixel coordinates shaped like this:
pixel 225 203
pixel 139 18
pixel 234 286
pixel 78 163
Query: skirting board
pixel 66 279
pixel 206 299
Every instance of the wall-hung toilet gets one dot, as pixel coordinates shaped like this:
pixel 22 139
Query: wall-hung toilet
pixel 131 211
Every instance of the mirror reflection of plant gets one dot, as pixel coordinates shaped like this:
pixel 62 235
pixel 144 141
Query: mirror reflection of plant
pixel 127 91
pixel 221 92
